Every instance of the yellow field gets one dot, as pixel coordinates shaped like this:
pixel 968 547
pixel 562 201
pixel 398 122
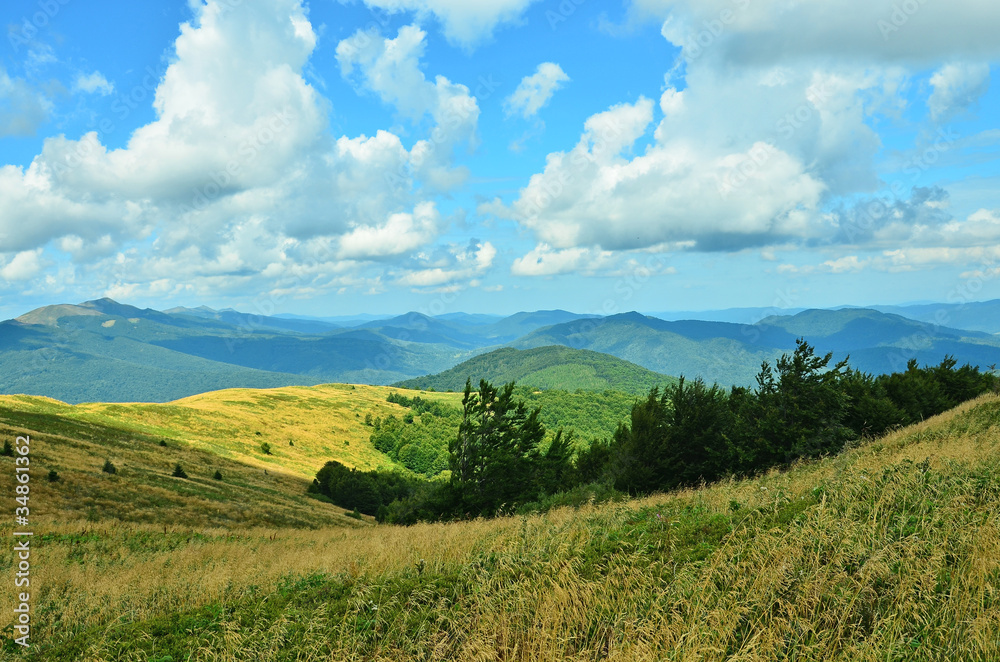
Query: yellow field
pixel 217 430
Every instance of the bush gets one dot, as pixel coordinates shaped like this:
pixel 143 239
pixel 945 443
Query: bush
pixel 8 450
pixel 109 468
pixel 163 443
pixel 354 513
pixel 265 448
pixel 54 476
pixel 179 472
pixel 578 496
pixel 217 475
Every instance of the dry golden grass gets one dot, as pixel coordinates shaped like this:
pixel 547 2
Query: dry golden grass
pixel 323 423
pixel 894 554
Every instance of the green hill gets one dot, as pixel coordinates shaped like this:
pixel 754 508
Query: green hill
pixel 552 367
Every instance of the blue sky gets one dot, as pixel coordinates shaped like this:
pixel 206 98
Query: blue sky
pixel 331 158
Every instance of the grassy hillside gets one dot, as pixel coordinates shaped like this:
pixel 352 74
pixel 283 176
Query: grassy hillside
pixel 305 426
pixel 651 343
pixel 552 367
pixel 888 551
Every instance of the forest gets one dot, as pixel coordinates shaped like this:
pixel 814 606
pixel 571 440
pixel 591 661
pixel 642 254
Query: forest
pixel 503 460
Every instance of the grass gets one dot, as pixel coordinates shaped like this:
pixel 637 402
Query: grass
pixel 323 422
pixel 890 551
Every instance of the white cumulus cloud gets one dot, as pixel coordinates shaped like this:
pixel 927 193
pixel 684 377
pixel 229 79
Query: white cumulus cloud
pixel 93 82
pixel 22 108
pixel 534 91
pixel 957 87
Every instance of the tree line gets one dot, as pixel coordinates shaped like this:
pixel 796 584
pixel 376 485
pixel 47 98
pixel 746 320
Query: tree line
pixel 687 433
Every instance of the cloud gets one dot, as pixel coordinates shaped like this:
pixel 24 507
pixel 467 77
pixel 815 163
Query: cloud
pixel 957 87
pixel 236 184
pixel 681 188
pixel 22 108
pixel 544 261
pixel 769 32
pixel 95 82
pixel 401 234
pixel 462 266
pixel 464 23
pixel 534 91
pixel 391 69
pixel 23 266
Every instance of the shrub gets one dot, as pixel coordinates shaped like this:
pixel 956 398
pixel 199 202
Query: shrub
pixel 179 472
pixel 163 442
pixel 355 514
pixel 54 476
pixel 217 475
pixel 109 468
pixel 265 448
pixel 8 450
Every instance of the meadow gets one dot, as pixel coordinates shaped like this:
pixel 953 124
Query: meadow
pixel 888 551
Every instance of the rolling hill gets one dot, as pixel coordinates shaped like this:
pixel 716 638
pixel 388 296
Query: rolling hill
pixel 106 351
pixel 732 353
pixel 972 315
pixel 887 551
pixel 551 367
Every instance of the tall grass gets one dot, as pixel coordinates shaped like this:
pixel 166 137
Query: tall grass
pixel 889 551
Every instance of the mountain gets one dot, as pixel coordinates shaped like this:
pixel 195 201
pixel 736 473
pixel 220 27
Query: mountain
pixel 467 331
pixel 981 316
pixel 106 351
pixel 734 315
pixel 519 324
pixel 732 353
pixel 476 319
pixel 103 350
pixel 254 322
pixel 553 367
pixel 417 327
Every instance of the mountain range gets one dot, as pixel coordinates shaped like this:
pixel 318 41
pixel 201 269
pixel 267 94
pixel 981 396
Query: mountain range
pixel 104 350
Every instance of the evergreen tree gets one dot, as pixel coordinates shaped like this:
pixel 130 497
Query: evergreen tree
pixel 553 468
pixel 490 456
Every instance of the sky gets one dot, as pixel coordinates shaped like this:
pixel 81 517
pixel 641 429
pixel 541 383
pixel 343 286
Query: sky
pixel 379 156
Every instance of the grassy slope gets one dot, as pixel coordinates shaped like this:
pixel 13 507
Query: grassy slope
pixel 889 551
pixel 323 422
pixel 553 367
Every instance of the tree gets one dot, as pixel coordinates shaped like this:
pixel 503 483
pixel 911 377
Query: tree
pixel 109 468
pixel 553 468
pixel 490 456
pixel 800 408
pixel 179 472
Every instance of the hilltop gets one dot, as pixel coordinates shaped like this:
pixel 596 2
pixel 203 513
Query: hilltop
pixel 551 367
